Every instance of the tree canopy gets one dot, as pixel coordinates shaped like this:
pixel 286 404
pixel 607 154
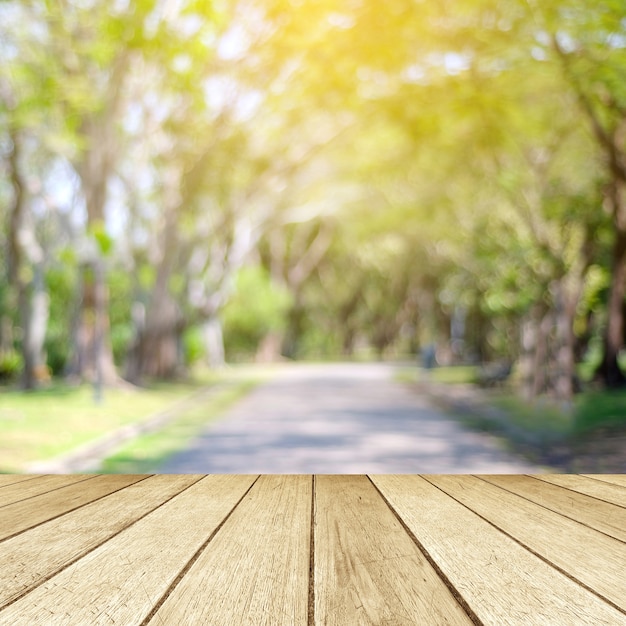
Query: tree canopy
pixel 299 178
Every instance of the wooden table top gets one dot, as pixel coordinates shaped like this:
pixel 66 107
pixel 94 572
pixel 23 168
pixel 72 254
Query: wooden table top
pixel 323 549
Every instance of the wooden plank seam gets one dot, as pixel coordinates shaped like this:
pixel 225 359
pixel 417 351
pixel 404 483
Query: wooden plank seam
pixel 193 559
pixel 555 511
pixel 538 555
pixel 453 590
pixel 311 609
pixel 576 491
pixel 47 491
pixel 19 532
pixel 96 546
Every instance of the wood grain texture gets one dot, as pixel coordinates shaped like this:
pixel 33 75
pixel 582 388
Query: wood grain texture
pixel 607 518
pixel 30 558
pixel 609 492
pixel 616 479
pixel 300 550
pixel 10 479
pixel 122 580
pixel 367 569
pixel 256 569
pixel 22 490
pixel 584 554
pixel 502 581
pixel 25 514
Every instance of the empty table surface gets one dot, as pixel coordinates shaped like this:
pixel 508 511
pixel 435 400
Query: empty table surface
pixel 312 549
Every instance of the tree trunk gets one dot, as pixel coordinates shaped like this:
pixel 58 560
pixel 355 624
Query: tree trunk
pixel 565 307
pixel 156 353
pixel 214 342
pixel 609 372
pixel 92 358
pixel 93 353
pixel 295 328
pixel 25 274
pixel 529 337
pixel 269 348
pixel 34 307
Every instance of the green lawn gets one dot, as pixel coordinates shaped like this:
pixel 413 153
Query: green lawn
pixel 146 454
pixel 591 410
pixel 46 423
pixel 453 375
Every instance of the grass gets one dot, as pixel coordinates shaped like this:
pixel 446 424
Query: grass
pixel 452 375
pixel 596 410
pixel 590 412
pixel 146 454
pixel 542 430
pixel 47 423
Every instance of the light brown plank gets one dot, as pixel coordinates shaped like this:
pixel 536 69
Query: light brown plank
pixel 615 479
pixel 499 579
pixel 120 582
pixel 582 484
pixel 30 557
pixel 38 485
pixel 256 569
pixel 592 558
pixel 602 516
pixel 367 568
pixel 10 479
pixel 24 514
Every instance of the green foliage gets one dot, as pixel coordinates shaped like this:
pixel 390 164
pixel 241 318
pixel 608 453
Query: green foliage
pixel 595 410
pixel 257 308
pixel 11 364
pixel 61 282
pixel 449 150
pixel 193 345
pixel 120 301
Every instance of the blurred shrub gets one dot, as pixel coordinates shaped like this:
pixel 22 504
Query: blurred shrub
pixel 258 307
pixel 193 345
pixel 61 286
pixel 10 365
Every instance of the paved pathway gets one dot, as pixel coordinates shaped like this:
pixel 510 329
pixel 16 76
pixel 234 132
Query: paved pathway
pixel 340 419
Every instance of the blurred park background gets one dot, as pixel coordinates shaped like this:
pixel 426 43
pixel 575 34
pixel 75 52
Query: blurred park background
pixel 185 184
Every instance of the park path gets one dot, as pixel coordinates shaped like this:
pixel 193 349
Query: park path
pixel 340 419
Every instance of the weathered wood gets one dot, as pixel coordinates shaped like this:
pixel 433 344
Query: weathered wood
pixel 10 479
pixel 303 550
pixel 590 557
pixel 605 517
pixel 502 581
pixel 38 485
pixel 24 514
pixel 599 489
pixel 256 569
pixel 29 558
pixel 122 580
pixel 615 479
pixel 367 569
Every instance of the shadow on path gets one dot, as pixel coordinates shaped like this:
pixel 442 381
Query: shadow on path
pixel 340 419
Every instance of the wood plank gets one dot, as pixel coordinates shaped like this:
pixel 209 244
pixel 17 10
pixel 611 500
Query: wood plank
pixel 502 581
pixel 595 488
pixel 615 479
pixel 24 514
pixel 586 555
pixel 367 568
pixel 120 582
pixel 256 569
pixel 605 517
pixel 10 479
pixel 38 485
pixel 29 558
